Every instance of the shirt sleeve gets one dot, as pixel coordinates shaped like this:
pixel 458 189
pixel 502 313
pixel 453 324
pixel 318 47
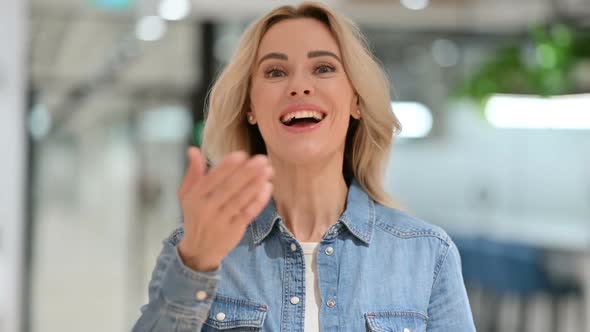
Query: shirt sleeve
pixel 179 298
pixel 449 308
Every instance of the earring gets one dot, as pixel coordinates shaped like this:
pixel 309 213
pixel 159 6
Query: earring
pixel 251 118
pixel 358 111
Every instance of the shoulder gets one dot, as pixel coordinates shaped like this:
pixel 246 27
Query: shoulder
pixel 405 226
pixel 417 240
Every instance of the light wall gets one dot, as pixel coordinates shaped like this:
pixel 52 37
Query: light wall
pixel 523 184
pixel 12 160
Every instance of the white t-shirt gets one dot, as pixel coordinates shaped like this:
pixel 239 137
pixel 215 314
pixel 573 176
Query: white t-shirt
pixel 312 290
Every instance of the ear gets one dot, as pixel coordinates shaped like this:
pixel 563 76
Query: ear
pixel 251 118
pixel 355 109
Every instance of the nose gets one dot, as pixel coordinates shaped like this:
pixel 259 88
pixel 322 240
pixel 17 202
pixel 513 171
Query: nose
pixel 304 92
pixel 301 85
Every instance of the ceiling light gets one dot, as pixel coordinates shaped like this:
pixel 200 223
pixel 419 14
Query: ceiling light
pixel 174 10
pixel 150 28
pixel 415 4
pixel 416 118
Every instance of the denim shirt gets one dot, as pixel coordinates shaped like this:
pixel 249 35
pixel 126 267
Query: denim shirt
pixel 379 269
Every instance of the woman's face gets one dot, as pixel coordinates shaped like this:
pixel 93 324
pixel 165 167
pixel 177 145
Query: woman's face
pixel 298 80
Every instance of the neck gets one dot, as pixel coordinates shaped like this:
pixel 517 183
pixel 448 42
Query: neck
pixel 309 198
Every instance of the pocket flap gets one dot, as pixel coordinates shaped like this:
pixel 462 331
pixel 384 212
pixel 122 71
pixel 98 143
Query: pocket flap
pixel 229 313
pixel 396 321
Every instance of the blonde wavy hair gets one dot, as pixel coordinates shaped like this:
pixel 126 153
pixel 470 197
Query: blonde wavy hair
pixel 368 140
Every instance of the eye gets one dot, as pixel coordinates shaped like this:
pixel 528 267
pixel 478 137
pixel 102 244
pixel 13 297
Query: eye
pixel 323 69
pixel 274 72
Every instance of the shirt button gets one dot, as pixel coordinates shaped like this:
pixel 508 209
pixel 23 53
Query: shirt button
pixel 201 295
pixel 333 230
pixel 220 316
pixel 294 300
pixel 329 251
pixel 331 303
pixel 406 330
pixel 293 247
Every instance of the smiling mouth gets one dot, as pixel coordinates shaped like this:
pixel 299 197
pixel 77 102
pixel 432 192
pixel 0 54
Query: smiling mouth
pixel 302 118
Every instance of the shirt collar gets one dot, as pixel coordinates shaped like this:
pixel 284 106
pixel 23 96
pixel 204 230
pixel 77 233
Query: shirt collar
pixel 358 217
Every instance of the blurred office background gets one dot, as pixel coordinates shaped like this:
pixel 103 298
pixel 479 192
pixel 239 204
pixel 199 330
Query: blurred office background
pixel 100 98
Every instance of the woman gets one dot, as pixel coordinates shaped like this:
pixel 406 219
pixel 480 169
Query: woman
pixel 327 251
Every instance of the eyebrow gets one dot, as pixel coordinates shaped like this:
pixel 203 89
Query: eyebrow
pixel 311 54
pixel 314 54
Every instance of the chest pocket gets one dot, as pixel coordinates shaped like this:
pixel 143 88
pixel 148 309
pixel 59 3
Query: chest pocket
pixel 396 321
pixel 232 314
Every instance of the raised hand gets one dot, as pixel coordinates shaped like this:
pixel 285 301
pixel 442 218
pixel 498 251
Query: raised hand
pixel 218 206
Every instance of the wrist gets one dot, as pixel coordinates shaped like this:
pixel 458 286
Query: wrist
pixel 195 263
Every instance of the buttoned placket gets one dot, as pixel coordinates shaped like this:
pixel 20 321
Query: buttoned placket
pixel 294 299
pixel 328 261
pixel 293 282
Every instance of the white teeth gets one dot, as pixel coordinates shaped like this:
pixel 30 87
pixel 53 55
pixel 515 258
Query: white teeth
pixel 302 114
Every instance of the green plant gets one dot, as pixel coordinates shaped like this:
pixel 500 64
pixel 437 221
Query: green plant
pixel 541 66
